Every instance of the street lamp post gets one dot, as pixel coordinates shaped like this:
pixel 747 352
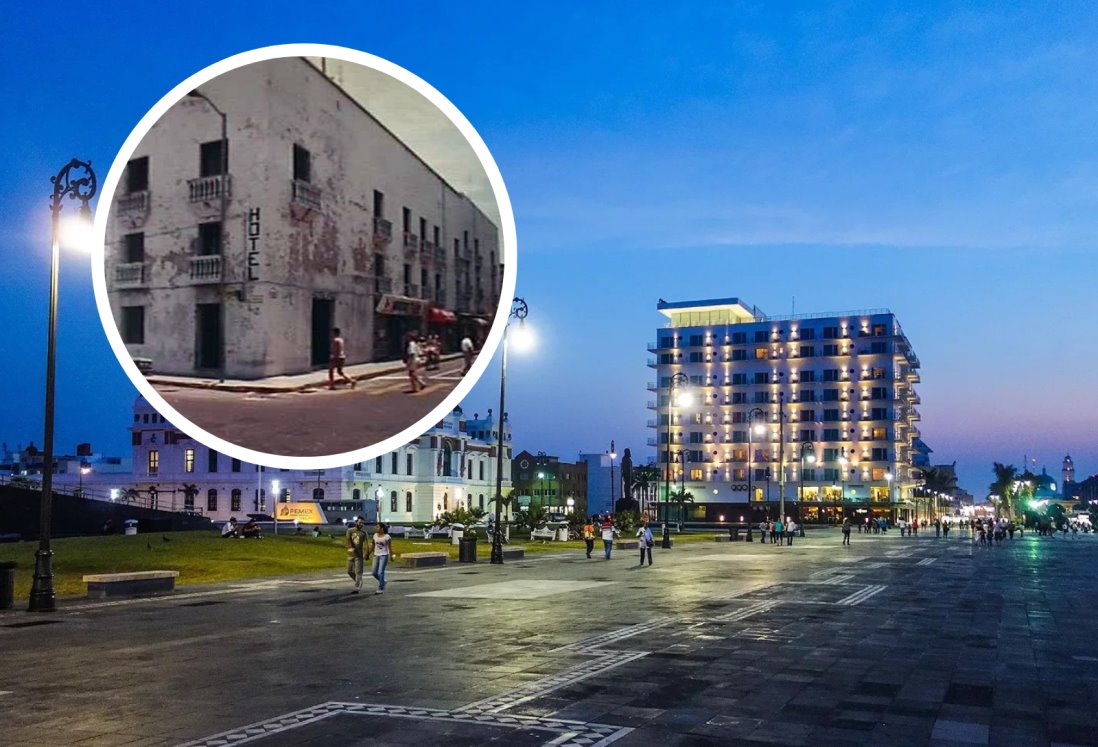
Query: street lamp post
pixel 678 380
pixel 519 310
pixel 781 456
pixel 805 446
pixel 613 455
pixel 888 479
pixel 379 493
pixel 275 498
pixel 77 181
pixel 751 428
pixel 843 462
pixel 85 468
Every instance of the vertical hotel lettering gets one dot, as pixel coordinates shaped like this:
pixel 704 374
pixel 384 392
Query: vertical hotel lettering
pixel 254 232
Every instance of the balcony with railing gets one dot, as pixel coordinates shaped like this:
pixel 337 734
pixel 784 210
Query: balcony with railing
pixel 411 245
pixel 411 290
pixel 427 252
pixel 382 285
pixel 303 193
pixel 132 205
pixel 208 188
pixel 129 274
pixel 440 255
pixel 383 231
pixel 206 269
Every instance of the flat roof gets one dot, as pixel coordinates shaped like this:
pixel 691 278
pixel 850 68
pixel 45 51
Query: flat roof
pixel 736 305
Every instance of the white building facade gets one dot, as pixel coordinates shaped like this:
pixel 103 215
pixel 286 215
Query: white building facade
pixel 820 406
pixel 244 254
pixel 452 464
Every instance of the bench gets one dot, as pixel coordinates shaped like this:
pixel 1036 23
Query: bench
pixel 542 534
pixel 423 559
pixel 722 538
pixel 398 531
pixel 627 544
pixel 139 583
pixel 513 553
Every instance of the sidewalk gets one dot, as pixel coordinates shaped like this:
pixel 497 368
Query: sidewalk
pixel 295 383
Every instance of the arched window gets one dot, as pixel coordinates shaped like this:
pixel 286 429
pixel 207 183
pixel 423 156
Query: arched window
pixel 445 501
pixel 408 463
pixel 234 500
pixel 469 501
pixel 393 502
pixel 211 500
pixel 447 460
pixel 318 494
pixel 356 495
pixel 481 469
pixel 408 501
pixel 261 499
pixel 482 501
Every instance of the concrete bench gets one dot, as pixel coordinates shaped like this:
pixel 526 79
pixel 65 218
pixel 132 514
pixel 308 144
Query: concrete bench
pixel 627 544
pixel 423 559
pixel 722 538
pixel 134 584
pixel 513 553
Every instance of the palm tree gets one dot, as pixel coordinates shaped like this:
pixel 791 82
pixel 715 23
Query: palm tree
pixel 506 503
pixel 644 481
pixel 682 497
pixel 130 495
pixel 190 490
pixel 1006 476
pixel 939 480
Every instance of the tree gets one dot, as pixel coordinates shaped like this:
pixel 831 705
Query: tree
pixel 1006 476
pixel 682 497
pixel 507 504
pixel 645 478
pixel 939 480
pixel 531 518
pixel 190 490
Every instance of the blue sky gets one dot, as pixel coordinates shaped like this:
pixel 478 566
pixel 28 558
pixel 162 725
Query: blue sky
pixel 940 161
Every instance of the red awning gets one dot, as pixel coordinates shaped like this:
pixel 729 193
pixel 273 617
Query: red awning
pixel 441 316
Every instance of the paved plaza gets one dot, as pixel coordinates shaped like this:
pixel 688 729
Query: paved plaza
pixel 314 421
pixel 897 641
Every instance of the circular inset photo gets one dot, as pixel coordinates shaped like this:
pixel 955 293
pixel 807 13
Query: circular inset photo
pixel 308 256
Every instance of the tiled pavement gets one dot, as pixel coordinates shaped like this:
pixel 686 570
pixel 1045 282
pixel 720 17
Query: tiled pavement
pixel 716 644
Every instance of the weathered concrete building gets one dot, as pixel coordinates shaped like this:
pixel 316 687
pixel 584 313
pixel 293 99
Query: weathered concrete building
pixel 238 257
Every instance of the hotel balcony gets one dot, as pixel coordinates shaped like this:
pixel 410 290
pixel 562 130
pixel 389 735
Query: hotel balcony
pixel 383 232
pixel 427 252
pixel 440 255
pixel 411 245
pixel 133 206
pixel 206 269
pixel 303 193
pixel 209 188
pixel 129 274
pixel 652 362
pixel 650 405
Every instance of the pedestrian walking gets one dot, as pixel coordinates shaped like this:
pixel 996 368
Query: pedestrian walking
pixel 467 352
pixel 608 534
pixel 356 543
pixel 644 534
pixel 937 527
pixel 589 535
pixel 776 536
pixel 790 530
pixel 762 532
pixel 382 544
pixel 846 531
pixel 413 360
pixel 337 357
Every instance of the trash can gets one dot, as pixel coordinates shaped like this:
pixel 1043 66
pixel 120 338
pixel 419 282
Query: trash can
pixel 750 537
pixel 457 531
pixel 562 533
pixel 131 526
pixel 735 532
pixel 467 549
pixel 7 585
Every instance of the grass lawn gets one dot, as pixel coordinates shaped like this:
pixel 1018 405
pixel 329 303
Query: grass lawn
pixel 203 557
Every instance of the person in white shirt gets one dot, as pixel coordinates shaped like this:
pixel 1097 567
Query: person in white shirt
pixel 380 548
pixel 467 353
pixel 412 361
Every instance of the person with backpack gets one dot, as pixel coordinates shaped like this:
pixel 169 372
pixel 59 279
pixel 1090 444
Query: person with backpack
pixel 644 534
pixel 589 534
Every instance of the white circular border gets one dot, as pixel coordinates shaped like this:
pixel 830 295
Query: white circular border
pixel 510 255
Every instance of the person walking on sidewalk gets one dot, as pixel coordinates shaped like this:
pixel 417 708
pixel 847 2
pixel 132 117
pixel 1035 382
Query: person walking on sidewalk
pixel 776 534
pixel 644 534
pixel 588 534
pixel 382 544
pixel 790 530
pixel 337 358
pixel 608 534
pixel 846 531
pixel 413 360
pixel 356 543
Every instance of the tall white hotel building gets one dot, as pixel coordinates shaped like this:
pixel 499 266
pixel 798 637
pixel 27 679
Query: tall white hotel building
pixel 837 388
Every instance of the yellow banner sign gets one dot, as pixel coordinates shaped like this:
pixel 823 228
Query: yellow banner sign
pixel 303 513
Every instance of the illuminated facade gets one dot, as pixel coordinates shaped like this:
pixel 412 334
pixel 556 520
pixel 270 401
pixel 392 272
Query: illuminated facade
pixel 835 389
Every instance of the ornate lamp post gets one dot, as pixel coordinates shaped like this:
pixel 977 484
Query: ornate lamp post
pixel 806 446
pixel 678 381
pixel 613 456
pixel 781 456
pixel 756 412
pixel 77 181
pixel 519 310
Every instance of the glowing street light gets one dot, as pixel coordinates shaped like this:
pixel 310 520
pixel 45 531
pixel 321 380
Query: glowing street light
pixel 523 340
pixel 76 181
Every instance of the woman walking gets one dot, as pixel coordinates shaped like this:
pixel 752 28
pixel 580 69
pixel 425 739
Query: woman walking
pixel 412 362
pixel 644 534
pixel 608 532
pixel 381 544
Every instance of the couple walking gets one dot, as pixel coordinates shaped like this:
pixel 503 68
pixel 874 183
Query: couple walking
pixel 609 532
pixel 360 547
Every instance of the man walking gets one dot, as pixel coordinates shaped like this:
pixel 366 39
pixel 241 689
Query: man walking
pixel 467 353
pixel 608 532
pixel 589 536
pixel 846 531
pixel 644 534
pixel 336 360
pixel 355 542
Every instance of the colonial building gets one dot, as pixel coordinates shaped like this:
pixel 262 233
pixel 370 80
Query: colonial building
pixel 820 407
pixel 446 467
pixel 239 255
